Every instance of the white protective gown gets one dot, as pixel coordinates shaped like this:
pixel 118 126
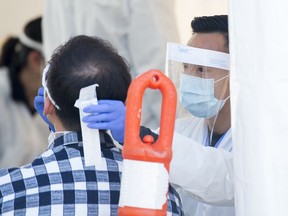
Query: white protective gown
pixel 22 136
pixel 204 174
pixel 138 29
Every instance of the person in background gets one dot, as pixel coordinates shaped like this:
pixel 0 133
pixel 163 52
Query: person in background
pixel 58 182
pixel 202 165
pixel 138 29
pixel 22 132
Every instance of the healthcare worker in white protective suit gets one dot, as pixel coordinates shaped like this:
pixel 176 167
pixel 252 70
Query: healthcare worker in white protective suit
pixel 23 134
pixel 202 165
pixel 138 29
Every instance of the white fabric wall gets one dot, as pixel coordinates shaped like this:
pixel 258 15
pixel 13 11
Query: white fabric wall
pixel 259 88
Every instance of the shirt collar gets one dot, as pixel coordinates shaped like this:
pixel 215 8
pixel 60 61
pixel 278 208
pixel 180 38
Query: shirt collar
pixel 72 137
pixel 64 138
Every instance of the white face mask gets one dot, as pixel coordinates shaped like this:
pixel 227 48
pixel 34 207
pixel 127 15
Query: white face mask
pixel 197 96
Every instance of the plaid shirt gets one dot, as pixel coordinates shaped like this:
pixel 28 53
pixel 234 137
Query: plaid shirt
pixel 58 183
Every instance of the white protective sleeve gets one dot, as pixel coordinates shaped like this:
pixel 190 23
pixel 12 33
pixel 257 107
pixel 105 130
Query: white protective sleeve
pixel 138 29
pixel 205 172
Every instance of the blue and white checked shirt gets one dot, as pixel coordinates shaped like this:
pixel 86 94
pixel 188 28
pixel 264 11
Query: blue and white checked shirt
pixel 58 183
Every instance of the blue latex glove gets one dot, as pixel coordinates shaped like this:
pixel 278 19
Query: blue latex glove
pixel 107 115
pixel 39 106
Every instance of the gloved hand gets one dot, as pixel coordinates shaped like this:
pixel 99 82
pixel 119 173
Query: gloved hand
pixel 107 115
pixel 39 106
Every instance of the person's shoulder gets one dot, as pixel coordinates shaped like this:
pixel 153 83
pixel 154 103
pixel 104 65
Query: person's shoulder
pixel 3 173
pixel 39 163
pixel 7 174
pixel 15 172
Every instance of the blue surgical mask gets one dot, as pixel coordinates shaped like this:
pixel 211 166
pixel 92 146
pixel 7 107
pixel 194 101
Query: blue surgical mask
pixel 197 96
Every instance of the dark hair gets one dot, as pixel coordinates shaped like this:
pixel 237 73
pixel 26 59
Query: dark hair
pixel 14 56
pixel 33 30
pixel 211 24
pixel 81 62
pixel 7 51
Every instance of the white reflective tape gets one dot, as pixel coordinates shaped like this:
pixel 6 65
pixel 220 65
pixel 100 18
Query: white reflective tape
pixel 143 184
pixel 197 56
pixel 91 138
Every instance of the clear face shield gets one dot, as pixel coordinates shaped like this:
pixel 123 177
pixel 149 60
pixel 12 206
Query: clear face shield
pixel 201 77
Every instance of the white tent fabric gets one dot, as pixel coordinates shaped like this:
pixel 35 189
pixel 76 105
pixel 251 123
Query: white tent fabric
pixel 259 88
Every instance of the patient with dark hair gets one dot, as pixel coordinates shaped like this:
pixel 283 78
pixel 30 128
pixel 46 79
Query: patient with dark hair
pixel 58 182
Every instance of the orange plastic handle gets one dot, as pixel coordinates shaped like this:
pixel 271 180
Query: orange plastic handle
pixel 148 150
pixel 134 148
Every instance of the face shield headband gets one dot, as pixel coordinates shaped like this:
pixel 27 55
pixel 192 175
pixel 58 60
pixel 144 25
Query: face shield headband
pixel 24 39
pixel 196 56
pixel 44 84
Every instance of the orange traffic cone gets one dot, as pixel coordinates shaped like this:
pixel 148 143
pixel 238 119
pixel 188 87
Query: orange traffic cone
pixel 144 184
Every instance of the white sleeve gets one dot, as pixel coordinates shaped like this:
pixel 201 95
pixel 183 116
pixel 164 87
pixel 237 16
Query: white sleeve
pixel 206 173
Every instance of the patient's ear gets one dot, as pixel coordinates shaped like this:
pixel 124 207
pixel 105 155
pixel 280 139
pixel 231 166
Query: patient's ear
pixel 49 108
